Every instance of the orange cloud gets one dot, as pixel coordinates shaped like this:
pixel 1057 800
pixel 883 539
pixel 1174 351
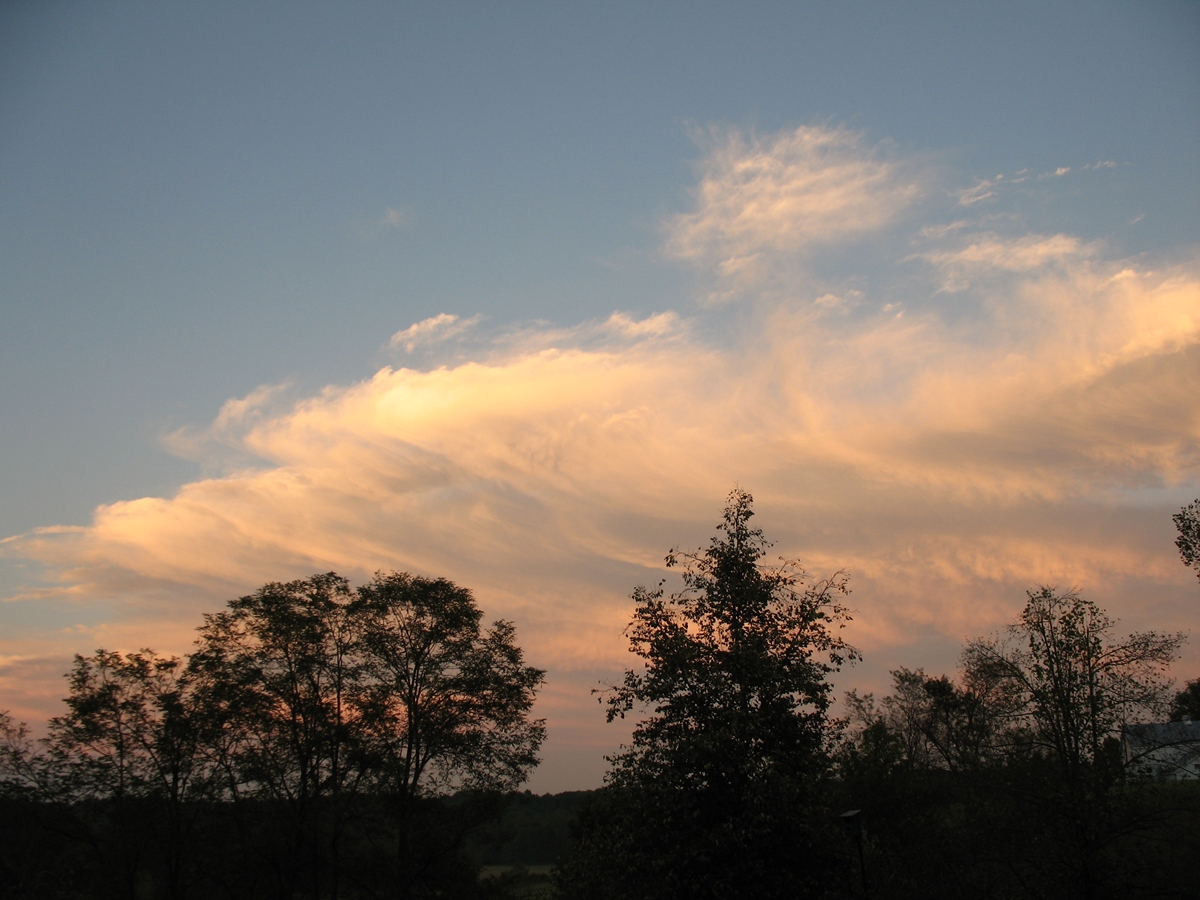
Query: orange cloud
pixel 948 457
pixel 762 199
pixel 514 468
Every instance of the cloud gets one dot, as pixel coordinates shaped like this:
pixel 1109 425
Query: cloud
pixel 554 478
pixel 1036 427
pixel 656 325
pixel 218 447
pixel 986 253
pixel 763 198
pixel 989 188
pixel 842 302
pixel 940 231
pixel 397 218
pixel 983 189
pixel 434 330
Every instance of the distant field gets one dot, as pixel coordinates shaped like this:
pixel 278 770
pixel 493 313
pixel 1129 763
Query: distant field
pixel 534 831
pixel 497 871
pixel 525 882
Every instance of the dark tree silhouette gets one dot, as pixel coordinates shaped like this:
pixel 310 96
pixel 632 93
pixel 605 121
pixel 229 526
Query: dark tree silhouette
pixel 1187 702
pixel 444 708
pixel 715 796
pixel 1076 684
pixel 446 701
pixel 308 748
pixel 278 674
pixel 936 724
pixel 127 759
pixel 1187 521
pixel 1010 781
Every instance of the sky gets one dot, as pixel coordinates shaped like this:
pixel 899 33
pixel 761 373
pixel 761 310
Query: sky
pixel 516 294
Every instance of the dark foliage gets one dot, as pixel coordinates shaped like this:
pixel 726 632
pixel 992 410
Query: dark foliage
pixel 533 830
pixel 1187 703
pixel 1003 832
pixel 718 794
pixel 324 742
pixel 1006 782
pixel 1187 522
pixel 306 750
pixel 1012 783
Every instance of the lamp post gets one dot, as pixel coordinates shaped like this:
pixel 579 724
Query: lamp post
pixel 852 821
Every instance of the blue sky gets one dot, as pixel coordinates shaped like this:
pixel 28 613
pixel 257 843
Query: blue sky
pixel 200 200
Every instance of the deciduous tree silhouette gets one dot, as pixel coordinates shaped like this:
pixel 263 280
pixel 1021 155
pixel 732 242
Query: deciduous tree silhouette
pixel 316 731
pixel 1077 685
pixel 1010 782
pixel 444 706
pixel 1187 521
pixel 118 774
pixel 1187 702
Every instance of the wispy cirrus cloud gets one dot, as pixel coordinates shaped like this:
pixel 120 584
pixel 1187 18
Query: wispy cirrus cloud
pixel 762 197
pixel 990 188
pixel 434 330
pixel 983 189
pixel 981 255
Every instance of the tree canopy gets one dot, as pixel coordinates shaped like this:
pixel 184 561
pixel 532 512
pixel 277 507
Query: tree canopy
pixel 315 730
pixel 715 795
pixel 736 666
pixel 1075 683
pixel 1018 765
pixel 330 741
pixel 1187 522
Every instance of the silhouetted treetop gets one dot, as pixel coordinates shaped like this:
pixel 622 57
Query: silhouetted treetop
pixel 1187 521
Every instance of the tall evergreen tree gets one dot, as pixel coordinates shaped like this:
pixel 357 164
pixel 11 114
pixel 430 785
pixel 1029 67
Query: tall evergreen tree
pixel 715 796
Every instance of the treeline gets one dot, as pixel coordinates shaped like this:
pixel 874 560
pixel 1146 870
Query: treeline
pixel 323 742
pixel 1012 780
pixel 1006 782
pixel 303 750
